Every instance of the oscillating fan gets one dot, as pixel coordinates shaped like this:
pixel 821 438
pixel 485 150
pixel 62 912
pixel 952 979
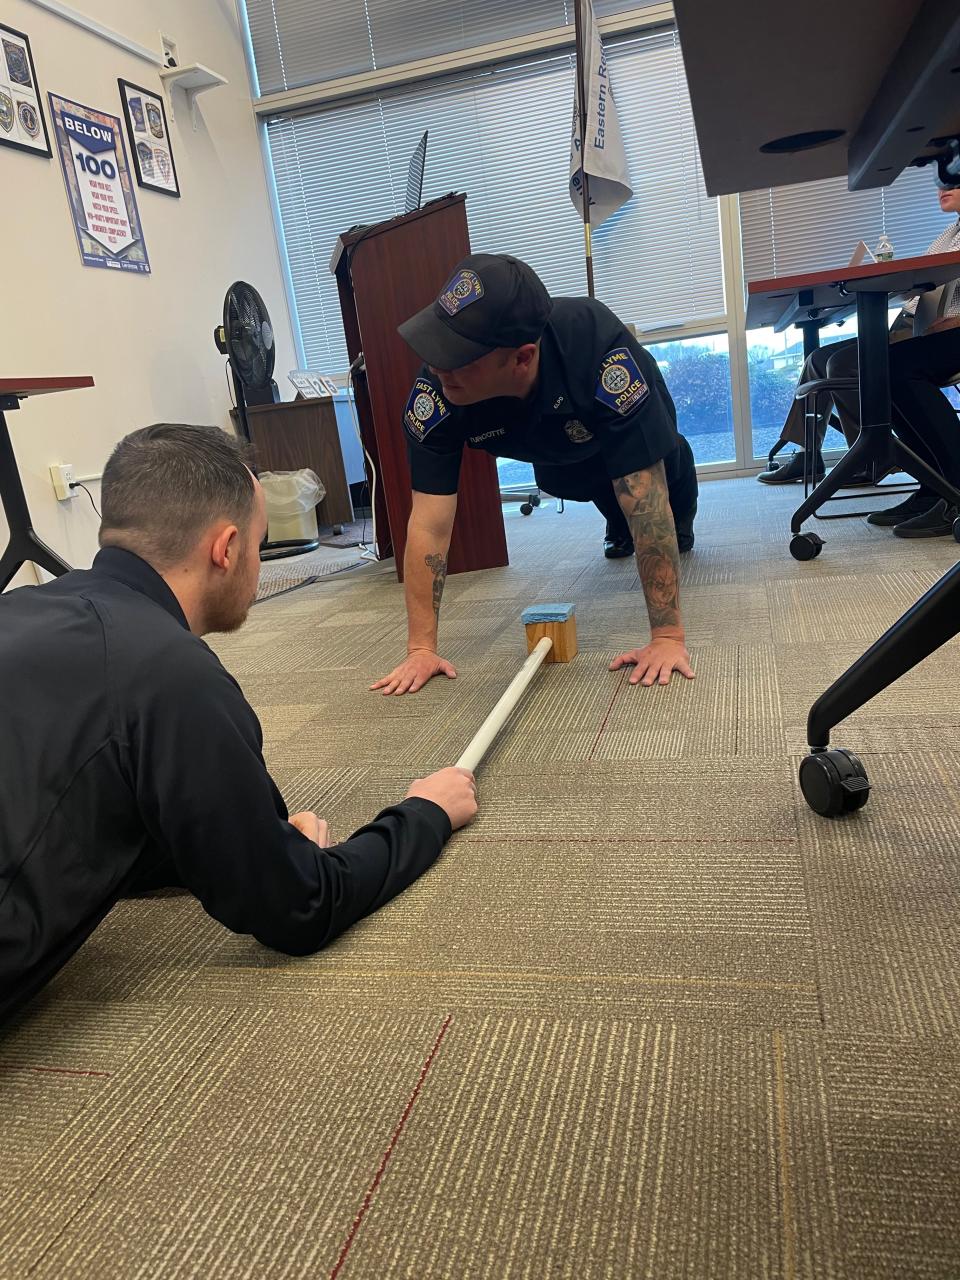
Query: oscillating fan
pixel 246 339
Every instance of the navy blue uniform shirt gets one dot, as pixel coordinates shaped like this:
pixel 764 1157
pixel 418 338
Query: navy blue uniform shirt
pixel 600 396
pixel 130 755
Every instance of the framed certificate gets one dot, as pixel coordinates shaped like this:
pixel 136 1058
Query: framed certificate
pixel 149 136
pixel 22 122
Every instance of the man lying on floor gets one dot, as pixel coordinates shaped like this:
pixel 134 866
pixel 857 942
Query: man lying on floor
pixel 131 758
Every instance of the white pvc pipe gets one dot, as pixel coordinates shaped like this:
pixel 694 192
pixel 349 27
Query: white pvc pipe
pixel 482 740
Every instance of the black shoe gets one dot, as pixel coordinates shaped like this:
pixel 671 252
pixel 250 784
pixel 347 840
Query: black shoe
pixel 792 471
pixel 918 504
pixel 617 548
pixel 935 523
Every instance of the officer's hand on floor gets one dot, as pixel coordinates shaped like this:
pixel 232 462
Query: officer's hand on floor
pixel 314 828
pixel 453 789
pixel 656 661
pixel 420 666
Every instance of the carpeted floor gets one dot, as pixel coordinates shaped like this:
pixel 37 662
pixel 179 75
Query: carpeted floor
pixel 647 1017
pixel 335 554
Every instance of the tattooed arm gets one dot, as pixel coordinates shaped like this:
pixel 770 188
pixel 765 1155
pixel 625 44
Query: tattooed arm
pixel 424 574
pixel 645 502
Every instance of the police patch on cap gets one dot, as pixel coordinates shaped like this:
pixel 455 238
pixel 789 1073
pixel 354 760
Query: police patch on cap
pixel 621 385
pixel 425 410
pixel 460 291
pixel 577 432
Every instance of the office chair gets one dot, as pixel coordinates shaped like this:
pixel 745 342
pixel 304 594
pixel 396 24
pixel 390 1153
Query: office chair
pixel 834 781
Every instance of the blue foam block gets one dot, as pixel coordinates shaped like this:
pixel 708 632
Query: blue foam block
pixel 547 613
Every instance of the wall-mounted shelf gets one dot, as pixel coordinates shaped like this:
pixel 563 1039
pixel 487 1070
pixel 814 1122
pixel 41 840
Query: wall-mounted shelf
pixel 193 80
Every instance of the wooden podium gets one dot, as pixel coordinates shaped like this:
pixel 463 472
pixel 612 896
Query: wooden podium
pixel 384 274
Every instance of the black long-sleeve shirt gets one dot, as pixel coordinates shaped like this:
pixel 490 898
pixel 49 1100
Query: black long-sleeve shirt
pixel 128 753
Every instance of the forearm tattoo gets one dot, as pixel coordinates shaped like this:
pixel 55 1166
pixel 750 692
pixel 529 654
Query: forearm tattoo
pixel 646 504
pixel 437 564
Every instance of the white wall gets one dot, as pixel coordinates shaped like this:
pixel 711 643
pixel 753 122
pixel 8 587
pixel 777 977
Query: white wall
pixel 146 340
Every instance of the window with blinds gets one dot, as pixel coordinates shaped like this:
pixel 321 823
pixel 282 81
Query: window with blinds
pixel 502 135
pixel 816 225
pixel 299 42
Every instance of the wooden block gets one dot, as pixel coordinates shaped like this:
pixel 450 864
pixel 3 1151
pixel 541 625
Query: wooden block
pixel 558 621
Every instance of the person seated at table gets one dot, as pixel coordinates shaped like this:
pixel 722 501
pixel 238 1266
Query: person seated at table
pixel 839 360
pixel 927 422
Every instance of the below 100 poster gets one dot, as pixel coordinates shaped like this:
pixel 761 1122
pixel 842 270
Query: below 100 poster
pixel 102 201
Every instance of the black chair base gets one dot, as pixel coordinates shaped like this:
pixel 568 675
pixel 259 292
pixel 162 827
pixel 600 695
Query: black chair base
pixel 828 787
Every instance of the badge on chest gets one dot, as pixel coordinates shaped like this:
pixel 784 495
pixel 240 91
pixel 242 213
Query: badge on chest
pixel 425 410
pixel 577 433
pixel 621 385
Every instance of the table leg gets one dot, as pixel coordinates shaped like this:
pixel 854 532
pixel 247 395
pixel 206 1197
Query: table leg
pixel 811 335
pixel 24 544
pixel 875 442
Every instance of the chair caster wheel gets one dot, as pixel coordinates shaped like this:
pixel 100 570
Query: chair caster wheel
pixel 805 546
pixel 526 509
pixel 834 782
pixel 956 530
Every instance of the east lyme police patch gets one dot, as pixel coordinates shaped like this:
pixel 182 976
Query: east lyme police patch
pixel 621 385
pixel 460 291
pixel 425 409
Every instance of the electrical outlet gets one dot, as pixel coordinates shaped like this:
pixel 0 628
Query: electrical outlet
pixel 63 476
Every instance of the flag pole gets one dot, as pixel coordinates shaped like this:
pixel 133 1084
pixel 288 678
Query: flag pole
pixel 582 113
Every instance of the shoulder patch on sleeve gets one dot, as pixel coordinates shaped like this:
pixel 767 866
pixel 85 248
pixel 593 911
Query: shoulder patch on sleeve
pixel 620 384
pixel 426 409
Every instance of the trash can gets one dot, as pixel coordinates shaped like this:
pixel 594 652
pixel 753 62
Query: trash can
pixel 292 498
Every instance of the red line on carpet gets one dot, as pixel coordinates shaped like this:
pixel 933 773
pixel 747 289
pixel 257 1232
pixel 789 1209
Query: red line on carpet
pixel 55 1071
pixel 616 694
pixel 411 1102
pixel 552 839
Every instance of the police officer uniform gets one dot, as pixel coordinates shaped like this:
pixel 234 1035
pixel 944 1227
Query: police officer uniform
pixel 600 408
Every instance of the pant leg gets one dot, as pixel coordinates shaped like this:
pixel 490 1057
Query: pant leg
pixel 682 485
pixel 924 418
pixel 815 366
pixel 586 482
pixel 589 482
pixel 842 362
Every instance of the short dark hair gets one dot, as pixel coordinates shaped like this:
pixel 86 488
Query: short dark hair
pixel 164 484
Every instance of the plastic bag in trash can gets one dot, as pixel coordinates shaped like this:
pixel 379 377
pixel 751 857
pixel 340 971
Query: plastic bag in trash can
pixel 291 493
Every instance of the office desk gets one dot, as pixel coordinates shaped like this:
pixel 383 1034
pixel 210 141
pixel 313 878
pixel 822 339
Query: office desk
pixel 23 544
pixel 805 300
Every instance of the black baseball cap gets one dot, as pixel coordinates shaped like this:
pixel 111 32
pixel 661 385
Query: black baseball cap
pixel 491 300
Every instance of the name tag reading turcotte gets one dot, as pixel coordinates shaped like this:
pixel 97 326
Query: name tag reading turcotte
pixel 621 385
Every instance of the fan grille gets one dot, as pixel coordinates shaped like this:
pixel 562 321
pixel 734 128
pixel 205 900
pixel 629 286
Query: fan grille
pixel 250 343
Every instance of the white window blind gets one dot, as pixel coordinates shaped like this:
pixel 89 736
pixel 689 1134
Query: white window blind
pixel 298 42
pixel 816 225
pixel 502 136
pixel 657 260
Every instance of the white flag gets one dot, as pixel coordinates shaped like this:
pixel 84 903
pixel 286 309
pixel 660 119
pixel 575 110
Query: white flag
pixel 606 160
